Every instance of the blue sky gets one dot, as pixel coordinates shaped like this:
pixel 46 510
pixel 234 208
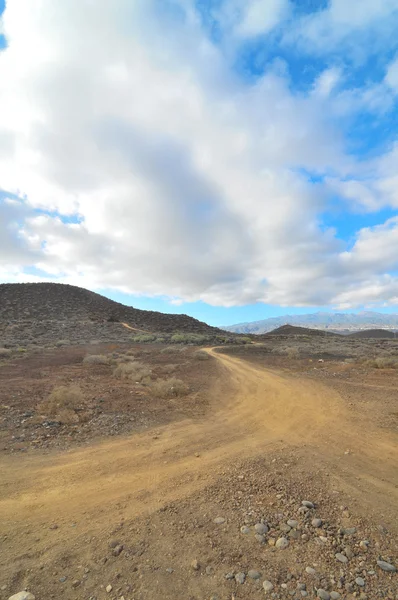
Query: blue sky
pixel 229 159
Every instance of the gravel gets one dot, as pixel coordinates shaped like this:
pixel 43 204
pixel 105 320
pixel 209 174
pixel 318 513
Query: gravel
pixel 341 557
pixel 219 520
pixel 268 586
pixel 260 528
pixel 240 578
pixel 282 543
pixel 385 566
pixel 323 594
pixel 359 581
pixel 316 522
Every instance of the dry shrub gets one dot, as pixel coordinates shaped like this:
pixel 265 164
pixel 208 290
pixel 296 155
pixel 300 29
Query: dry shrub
pixel 123 358
pixel 62 398
pixel 169 388
pixel 135 371
pixel 201 355
pixel 292 352
pixel 167 369
pixel 63 343
pixel 382 362
pixel 96 359
pixel 5 352
pixel 67 416
pixel 169 350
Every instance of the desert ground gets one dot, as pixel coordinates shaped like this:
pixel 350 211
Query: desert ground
pixel 244 472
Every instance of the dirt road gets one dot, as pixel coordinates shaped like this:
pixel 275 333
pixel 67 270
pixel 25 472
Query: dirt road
pixel 253 411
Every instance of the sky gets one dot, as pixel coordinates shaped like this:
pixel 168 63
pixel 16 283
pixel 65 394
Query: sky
pixel 228 159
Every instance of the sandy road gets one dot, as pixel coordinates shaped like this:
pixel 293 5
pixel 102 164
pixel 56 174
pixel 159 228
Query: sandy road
pixel 253 411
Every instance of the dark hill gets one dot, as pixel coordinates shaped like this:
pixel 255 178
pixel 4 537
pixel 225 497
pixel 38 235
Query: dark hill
pixel 373 333
pixel 31 312
pixel 292 330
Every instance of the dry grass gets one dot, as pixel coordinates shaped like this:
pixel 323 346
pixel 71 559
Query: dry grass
pixel 5 352
pixel 135 371
pixel 96 359
pixel 169 388
pixel 62 399
pixel 292 352
pixel 382 362
pixel 201 355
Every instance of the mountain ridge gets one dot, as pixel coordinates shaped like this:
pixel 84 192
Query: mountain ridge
pixel 323 320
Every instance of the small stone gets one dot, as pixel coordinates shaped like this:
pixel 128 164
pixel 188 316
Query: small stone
pixel 304 593
pixel 63 579
pixel 359 581
pixel 364 545
pixel 195 565
pixel 253 574
pixel 323 539
pixel 307 504
pixel 349 531
pixel 349 587
pixel 323 594
pixel 170 570
pixel 22 596
pixel 316 522
pixel 75 583
pixel 271 541
pixel 117 550
pixel 240 578
pixel 245 529
pixel 219 520
pixel 282 543
pixel 385 566
pixel 334 595
pixel 260 538
pixel 108 589
pixel 303 510
pixel 292 523
pixel 341 557
pixel 301 586
pixel 209 570
pixel 348 552
pixel 305 537
pixel 310 570
pixel 268 586
pixel 260 528
pixel 229 576
pixel 284 527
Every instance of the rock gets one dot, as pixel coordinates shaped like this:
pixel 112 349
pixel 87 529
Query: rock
pixel 268 586
pixel 282 543
pixel 310 570
pixel 117 550
pixel 307 504
pixel 305 537
pixel 359 581
pixel 209 570
pixel 229 576
pixel 240 578
pixel 304 593
pixel 334 595
pixel 348 552
pixel 63 579
pixel 260 528
pixel 253 574
pixel 349 531
pixel 195 565
pixel 301 586
pixel 108 589
pixel 292 523
pixel 260 538
pixel 303 510
pixel 385 566
pixel 219 520
pixel 341 557
pixel 170 570
pixel 22 596
pixel 316 522
pixel 245 529
pixel 364 545
pixel 284 527
pixel 323 594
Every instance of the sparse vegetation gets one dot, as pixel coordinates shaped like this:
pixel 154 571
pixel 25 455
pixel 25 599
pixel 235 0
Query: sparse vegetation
pixel 292 352
pixel 5 352
pixel 201 355
pixel 135 371
pixel 61 398
pixel 62 343
pixel 145 338
pixel 96 359
pixel 169 388
pixel 382 362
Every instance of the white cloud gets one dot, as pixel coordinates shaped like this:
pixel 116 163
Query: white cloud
pixel 179 178
pixel 261 16
pixel 392 75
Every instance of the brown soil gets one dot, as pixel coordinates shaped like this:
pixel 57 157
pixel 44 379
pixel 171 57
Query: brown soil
pixel 257 442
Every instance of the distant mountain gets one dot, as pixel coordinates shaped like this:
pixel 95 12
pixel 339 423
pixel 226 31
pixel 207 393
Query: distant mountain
pixel 331 321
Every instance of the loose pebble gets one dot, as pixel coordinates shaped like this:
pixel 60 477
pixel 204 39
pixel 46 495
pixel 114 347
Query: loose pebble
pixel 240 578
pixel 282 543
pixel 310 570
pixel 268 586
pixel 108 588
pixel 22 596
pixel 195 565
pixel 323 594
pixel 307 504
pixel 260 528
pixel 359 581
pixel 341 557
pixel 316 522
pixel 245 529
pixel 219 520
pixel 334 595
pixel 292 523
pixel 385 566
pixel 253 574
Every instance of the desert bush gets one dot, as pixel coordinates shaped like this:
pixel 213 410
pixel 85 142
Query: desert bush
pixel 169 350
pixel 201 355
pixel 61 398
pixel 135 371
pixel 169 388
pixel 382 362
pixel 145 338
pixel 62 343
pixel 96 359
pixel 292 353
pixel 189 338
pixel 5 352
pixel 67 416
pixel 168 369
pixel 245 340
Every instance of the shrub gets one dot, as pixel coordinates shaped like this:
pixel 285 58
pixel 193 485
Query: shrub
pixel 169 388
pixel 292 352
pixel 67 416
pixel 96 359
pixel 61 398
pixel 4 352
pixel 62 343
pixel 201 355
pixel 382 362
pixel 144 338
pixel 169 350
pixel 189 338
pixel 135 371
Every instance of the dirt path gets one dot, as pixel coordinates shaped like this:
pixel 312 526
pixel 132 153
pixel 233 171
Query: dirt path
pixel 262 411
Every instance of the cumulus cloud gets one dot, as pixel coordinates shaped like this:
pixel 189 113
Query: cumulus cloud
pixel 156 169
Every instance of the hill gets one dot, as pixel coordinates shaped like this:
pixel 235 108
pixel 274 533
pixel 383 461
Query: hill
pixel 337 322
pixel 291 330
pixel 46 311
pixel 373 333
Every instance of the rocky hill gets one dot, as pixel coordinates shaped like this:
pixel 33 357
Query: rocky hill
pixel 291 330
pixel 374 333
pixel 330 321
pixel 56 311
